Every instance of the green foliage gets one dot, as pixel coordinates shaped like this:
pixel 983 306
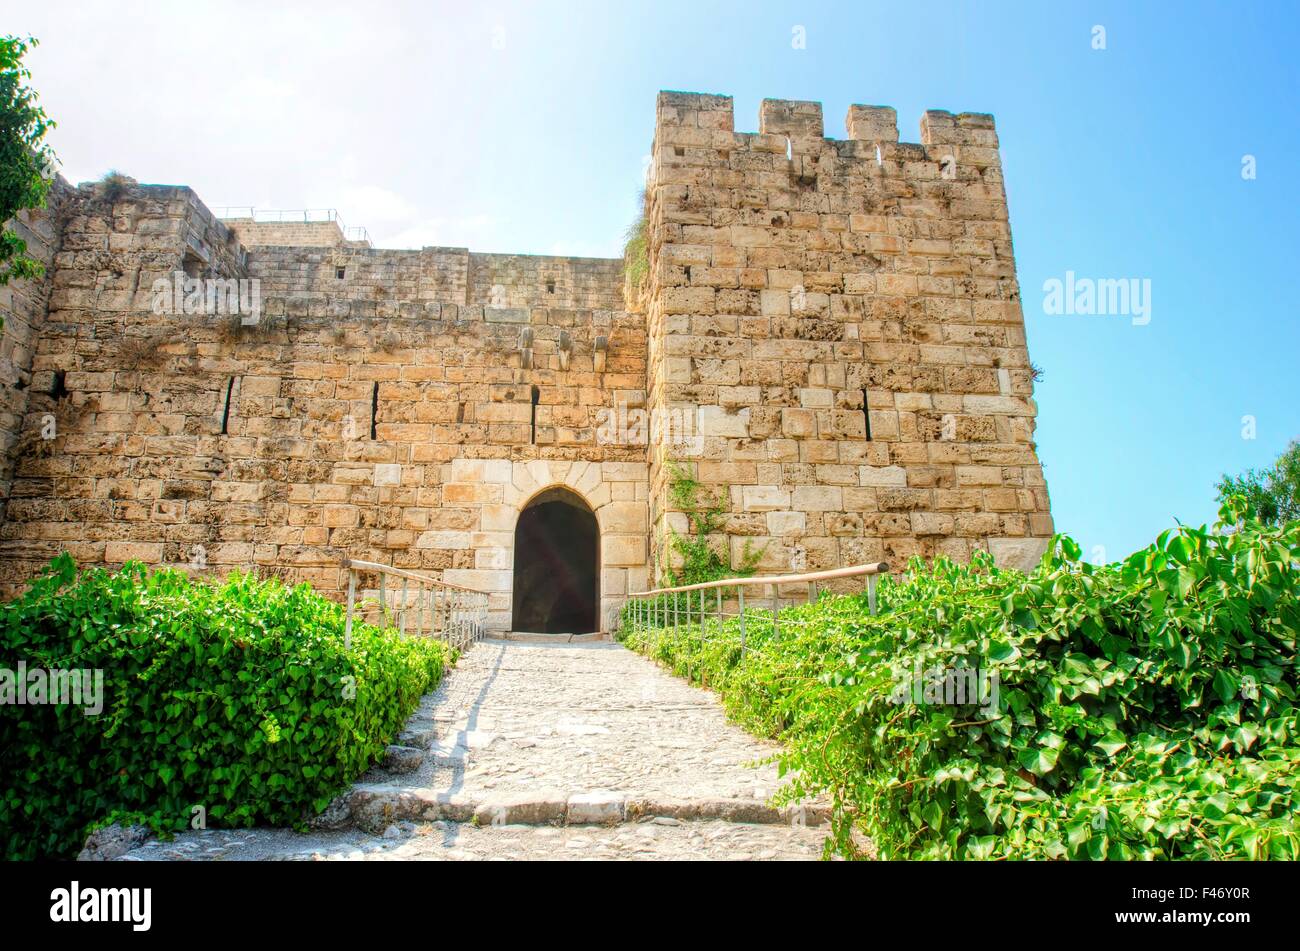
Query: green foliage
pixel 1147 708
pixel 636 263
pixel 705 512
pixel 237 697
pixel 24 158
pixel 1274 493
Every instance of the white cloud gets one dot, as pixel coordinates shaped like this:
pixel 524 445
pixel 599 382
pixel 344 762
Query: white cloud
pixel 467 232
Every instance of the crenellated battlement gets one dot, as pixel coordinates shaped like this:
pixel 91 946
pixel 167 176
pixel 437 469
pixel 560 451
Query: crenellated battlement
pixel 702 120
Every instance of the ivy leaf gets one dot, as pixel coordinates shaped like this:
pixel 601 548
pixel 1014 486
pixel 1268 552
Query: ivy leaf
pixel 1039 761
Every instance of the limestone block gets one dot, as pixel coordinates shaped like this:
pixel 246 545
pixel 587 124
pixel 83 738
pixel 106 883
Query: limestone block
pixel 623 550
pixel 597 808
pixel 787 523
pixel 716 421
pixel 872 123
pixel 481 470
pixel 1021 553
pixel 121 552
pixel 445 540
pixel 882 476
pixel 623 518
pixel 493 558
pixel 764 498
pixel 818 498
pixel 929 523
pixel 479 579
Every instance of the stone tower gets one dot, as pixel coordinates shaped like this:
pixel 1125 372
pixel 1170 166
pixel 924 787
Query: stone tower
pixel 842 321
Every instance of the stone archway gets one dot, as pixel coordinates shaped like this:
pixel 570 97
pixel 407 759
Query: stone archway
pixel 556 565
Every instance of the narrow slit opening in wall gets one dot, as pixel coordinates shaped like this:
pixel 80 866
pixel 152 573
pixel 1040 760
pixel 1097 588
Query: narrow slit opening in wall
pixel 58 388
pixel 536 396
pixel 866 413
pixel 550 287
pixel 340 273
pixel 374 411
pixel 225 412
pixel 460 412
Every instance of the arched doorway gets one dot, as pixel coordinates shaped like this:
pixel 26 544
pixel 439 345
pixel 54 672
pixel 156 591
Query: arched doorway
pixel 556 557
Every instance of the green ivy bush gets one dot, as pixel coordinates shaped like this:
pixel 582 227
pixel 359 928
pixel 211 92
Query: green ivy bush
pixel 1147 708
pixel 236 697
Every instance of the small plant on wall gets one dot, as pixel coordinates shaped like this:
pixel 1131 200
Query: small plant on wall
pixel 705 512
pixel 636 264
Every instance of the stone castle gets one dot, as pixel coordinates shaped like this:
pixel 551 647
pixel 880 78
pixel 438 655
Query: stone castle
pixel 828 334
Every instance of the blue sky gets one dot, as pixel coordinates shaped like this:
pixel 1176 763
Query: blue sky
pixel 524 128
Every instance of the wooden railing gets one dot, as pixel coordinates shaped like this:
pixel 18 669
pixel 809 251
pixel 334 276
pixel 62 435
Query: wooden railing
pixel 661 607
pixel 454 614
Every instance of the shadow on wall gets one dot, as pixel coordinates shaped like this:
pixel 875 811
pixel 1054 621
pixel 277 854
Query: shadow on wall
pixel 556 556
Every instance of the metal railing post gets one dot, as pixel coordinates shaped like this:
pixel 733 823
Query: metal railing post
pixel 352 600
pixel 419 610
pixel 776 609
pixel 741 594
pixel 383 601
pixel 871 593
pixel 401 617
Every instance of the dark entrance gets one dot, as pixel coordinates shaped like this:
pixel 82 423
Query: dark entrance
pixel 555 583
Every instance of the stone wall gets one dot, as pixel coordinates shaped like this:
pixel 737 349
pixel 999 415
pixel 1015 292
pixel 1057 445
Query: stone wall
pixel 508 287
pixel 376 415
pixel 842 321
pixel 23 306
pixel 307 234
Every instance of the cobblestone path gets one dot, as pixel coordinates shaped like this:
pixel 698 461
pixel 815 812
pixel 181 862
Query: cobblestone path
pixel 550 750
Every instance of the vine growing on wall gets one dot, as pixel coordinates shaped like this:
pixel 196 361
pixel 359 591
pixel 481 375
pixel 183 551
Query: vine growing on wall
pixel 636 263
pixel 705 513
pixel 26 162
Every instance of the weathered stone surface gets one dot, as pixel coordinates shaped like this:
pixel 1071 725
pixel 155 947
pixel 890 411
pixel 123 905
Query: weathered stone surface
pixel 540 808
pixel 402 759
pixel 596 808
pixel 112 842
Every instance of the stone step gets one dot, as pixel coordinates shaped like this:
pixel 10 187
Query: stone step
pixel 442 840
pixel 374 807
pixel 529 638
pixel 402 759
